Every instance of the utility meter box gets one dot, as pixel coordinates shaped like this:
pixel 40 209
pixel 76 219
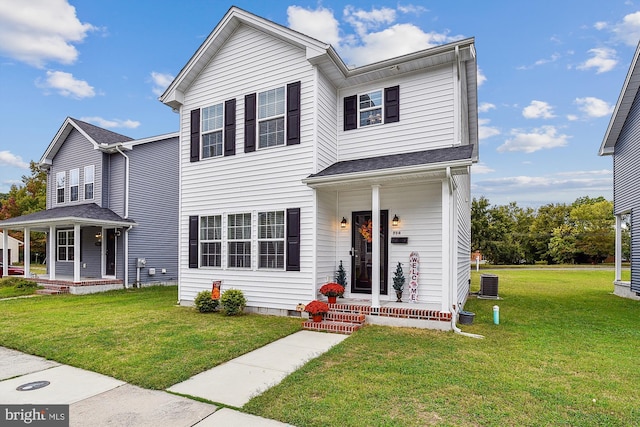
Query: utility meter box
pixel 142 262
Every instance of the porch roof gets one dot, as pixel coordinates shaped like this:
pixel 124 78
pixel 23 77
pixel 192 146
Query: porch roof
pixel 421 163
pixel 84 214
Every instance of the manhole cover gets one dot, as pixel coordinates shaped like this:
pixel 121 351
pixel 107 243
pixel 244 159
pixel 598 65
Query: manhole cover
pixel 33 385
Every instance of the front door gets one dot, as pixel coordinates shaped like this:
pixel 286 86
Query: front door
pixel 110 252
pixel 361 261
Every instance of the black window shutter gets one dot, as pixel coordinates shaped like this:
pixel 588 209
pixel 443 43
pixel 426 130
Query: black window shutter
pixel 392 104
pixel 230 127
pixel 193 242
pixel 351 112
pixel 250 123
pixel 195 135
pixel 293 113
pixel 293 239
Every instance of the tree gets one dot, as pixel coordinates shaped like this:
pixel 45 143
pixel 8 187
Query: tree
pixel 594 224
pixel 547 219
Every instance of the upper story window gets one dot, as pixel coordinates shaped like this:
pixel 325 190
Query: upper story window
pixel 211 241
pixel 212 126
pixel 271 108
pixel 74 184
pixel 271 239
pixel 239 240
pixel 89 178
pixel 370 108
pixel 60 183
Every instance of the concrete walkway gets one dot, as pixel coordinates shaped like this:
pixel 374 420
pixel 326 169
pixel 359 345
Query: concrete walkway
pixel 97 400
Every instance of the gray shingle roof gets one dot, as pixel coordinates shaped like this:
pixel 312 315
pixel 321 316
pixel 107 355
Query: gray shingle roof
pixel 84 213
pixel 439 155
pixel 99 135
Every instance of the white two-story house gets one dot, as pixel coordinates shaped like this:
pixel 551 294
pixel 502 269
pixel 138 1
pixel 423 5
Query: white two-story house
pixel 291 162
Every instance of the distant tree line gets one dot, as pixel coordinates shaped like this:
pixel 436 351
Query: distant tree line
pixel 28 197
pixel 582 232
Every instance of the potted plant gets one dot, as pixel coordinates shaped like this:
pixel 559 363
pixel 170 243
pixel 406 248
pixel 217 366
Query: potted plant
pixel 331 291
pixel 316 309
pixel 398 282
pixel 341 277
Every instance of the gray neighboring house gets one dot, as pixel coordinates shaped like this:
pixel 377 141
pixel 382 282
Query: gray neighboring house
pixel 622 141
pixel 112 210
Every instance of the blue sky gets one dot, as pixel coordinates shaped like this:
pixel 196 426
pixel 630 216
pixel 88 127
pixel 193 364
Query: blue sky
pixel 551 73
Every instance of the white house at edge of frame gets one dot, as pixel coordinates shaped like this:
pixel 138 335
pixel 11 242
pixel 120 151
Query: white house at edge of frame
pixel 286 154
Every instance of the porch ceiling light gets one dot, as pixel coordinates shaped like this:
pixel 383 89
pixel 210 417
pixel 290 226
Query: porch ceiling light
pixel 343 223
pixel 395 221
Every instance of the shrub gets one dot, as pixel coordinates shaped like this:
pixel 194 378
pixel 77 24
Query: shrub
pixel 204 303
pixel 18 283
pixel 233 302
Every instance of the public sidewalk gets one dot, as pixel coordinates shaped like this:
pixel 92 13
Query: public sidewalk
pixel 97 400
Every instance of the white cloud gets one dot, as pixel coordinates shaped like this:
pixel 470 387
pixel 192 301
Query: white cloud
pixel 481 77
pixel 38 31
pixel 363 21
pixel 545 137
pixel 538 110
pixel 413 9
pixel 600 25
pixel 67 85
pixel 603 60
pixel 160 82
pixel 111 124
pixel 9 159
pixel 481 168
pixel 319 23
pixel 553 58
pixel 594 107
pixel 572 117
pixel 485 131
pixel 628 31
pixel 485 107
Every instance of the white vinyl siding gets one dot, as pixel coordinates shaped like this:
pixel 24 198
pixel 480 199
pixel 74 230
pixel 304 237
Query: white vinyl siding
pixel 327 122
pixel 426 111
pixel 463 231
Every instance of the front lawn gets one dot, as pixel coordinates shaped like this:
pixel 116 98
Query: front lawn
pixel 13 286
pixel 565 353
pixel 138 335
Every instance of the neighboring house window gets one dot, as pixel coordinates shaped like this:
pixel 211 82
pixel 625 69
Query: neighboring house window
pixel 271 118
pixel 74 184
pixel 371 108
pixel 271 239
pixel 212 120
pixel 211 241
pixel 89 178
pixel 65 245
pixel 60 178
pixel 239 240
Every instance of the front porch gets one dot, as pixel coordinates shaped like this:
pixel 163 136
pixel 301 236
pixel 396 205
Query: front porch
pixel 350 314
pixel 66 285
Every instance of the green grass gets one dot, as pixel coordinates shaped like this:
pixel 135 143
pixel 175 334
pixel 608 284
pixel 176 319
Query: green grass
pixel 139 336
pixel 13 286
pixel 563 341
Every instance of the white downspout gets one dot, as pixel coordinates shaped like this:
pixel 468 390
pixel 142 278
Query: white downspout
pixel 454 304
pixel 126 215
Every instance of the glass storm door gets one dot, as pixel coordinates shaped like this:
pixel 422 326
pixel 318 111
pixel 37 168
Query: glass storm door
pixel 362 251
pixel 110 252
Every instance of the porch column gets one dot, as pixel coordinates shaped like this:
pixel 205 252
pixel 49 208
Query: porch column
pixel 446 248
pixel 76 252
pixel 618 248
pixel 375 245
pixel 5 252
pixel 27 252
pixel 51 252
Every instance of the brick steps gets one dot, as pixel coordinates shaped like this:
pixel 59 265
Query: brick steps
pixel 52 289
pixel 342 323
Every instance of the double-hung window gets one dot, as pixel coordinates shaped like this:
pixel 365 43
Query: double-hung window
pixel 74 184
pixel 212 126
pixel 211 241
pixel 271 109
pixel 239 240
pixel 89 178
pixel 60 178
pixel 65 245
pixel 370 108
pixel 271 239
